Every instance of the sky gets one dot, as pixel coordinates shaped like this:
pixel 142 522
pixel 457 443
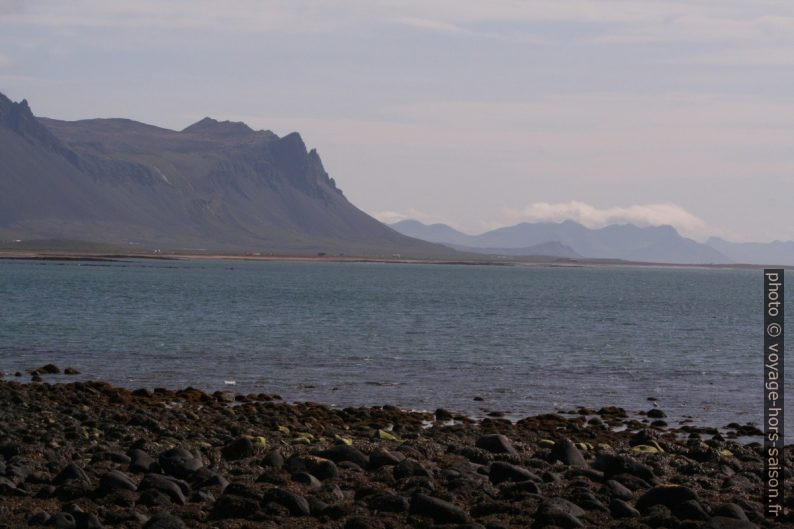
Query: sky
pixel 477 114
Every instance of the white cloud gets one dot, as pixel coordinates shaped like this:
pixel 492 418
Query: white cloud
pixel 390 217
pixel 5 62
pixel 430 25
pixel 593 217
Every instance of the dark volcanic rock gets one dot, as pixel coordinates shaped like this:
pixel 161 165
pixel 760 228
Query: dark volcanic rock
pixel 49 369
pixel 295 503
pixel 496 443
pixel 620 509
pixel 40 518
pixel 561 504
pixel 501 471
pixel 667 495
pixel 319 467
pixel 274 460
pixel 9 488
pixel 564 450
pixel 720 522
pixel 587 500
pixel 409 467
pixel 528 486
pixel 238 449
pixel 383 457
pixel 306 479
pixel 344 452
pixel 179 463
pixel 164 485
pixel 234 506
pixel 443 415
pixel 618 490
pixel 207 478
pixel 71 472
pixel 154 498
pixel 86 520
pixel 558 519
pixel 559 512
pixel 689 510
pixel 63 520
pixel 439 510
pixel 387 503
pixel 118 457
pixel 729 510
pixel 164 520
pixel 612 465
pixel 113 481
pixel 140 461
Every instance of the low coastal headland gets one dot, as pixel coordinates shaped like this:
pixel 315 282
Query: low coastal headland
pixel 89 455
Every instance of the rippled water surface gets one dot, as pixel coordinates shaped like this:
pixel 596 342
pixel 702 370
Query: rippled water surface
pixel 527 340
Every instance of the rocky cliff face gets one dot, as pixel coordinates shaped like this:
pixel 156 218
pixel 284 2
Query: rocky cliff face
pixel 214 185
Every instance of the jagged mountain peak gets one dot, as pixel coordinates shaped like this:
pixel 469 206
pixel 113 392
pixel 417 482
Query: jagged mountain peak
pixel 14 114
pixel 19 118
pixel 212 126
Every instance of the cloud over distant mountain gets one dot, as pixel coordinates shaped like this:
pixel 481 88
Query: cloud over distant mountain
pixel 595 217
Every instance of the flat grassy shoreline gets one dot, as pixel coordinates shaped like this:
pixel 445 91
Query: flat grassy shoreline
pixel 87 454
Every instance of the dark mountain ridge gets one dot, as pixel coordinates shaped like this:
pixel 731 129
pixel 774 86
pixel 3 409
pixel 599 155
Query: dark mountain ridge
pixel 215 185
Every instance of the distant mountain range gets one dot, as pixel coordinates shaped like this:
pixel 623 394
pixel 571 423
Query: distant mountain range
pixel 771 253
pixel 218 186
pixel 568 239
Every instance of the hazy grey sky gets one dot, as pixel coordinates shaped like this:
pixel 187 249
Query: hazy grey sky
pixel 475 113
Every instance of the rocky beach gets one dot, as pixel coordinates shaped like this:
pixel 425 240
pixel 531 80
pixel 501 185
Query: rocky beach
pixel 86 455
